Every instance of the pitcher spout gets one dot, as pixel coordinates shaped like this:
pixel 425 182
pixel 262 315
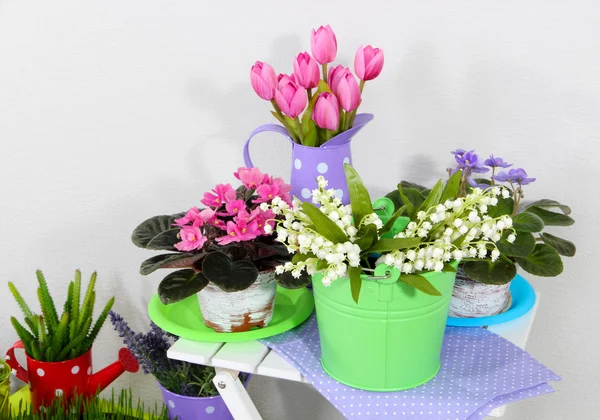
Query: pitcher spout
pixel 101 379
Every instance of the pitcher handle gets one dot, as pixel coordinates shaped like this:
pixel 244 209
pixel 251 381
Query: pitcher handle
pixel 14 364
pixel 266 127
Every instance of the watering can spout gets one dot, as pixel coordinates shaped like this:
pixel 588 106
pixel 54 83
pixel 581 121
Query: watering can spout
pixel 101 379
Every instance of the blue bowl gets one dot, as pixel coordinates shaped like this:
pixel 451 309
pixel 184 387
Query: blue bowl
pixel 523 299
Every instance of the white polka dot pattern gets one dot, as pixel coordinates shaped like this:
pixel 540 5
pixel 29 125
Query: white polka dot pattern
pixel 480 371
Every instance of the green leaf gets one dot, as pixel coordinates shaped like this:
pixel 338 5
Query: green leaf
pixel 546 203
pixel 521 247
pixel 366 236
pixel 550 218
pixel 229 275
pixel 385 244
pixel 448 268
pixel 324 225
pixel 20 301
pixel 394 196
pixel 544 261
pixel 165 240
pixel 98 325
pixel 505 206
pixel 488 272
pixel 527 222
pixel 47 303
pixel 359 196
pixel 302 257
pixel 395 224
pixel 433 199
pixel 407 184
pixel 288 281
pixel 25 336
pixel 180 285
pixel 411 198
pixel 184 260
pixel 421 283
pixel 310 136
pixel 355 282
pixel 451 188
pixel 562 246
pixel 149 228
pixel 88 302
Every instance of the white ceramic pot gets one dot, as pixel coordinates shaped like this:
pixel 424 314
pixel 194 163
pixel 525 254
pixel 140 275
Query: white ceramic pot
pixel 239 311
pixel 471 299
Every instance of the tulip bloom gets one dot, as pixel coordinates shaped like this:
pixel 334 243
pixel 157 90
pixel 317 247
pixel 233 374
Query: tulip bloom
pixel 344 86
pixel 290 98
pixel 326 113
pixel 323 44
pixel 306 71
pixel 264 80
pixel 368 62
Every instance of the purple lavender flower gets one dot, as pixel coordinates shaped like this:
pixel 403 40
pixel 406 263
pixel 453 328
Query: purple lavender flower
pixel 515 176
pixel 469 161
pixel 493 162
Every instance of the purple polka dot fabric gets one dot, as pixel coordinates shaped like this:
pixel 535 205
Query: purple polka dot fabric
pixel 480 371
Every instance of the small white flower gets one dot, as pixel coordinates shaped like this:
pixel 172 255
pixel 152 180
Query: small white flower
pixel 495 191
pixel 482 253
pixel 322 182
pixel 419 264
pixel 334 215
pixel 439 266
pixel 407 268
pixel 495 254
pixel 493 201
pixel 268 228
pixel 411 226
pixel 434 218
pixel 346 219
pixel 351 231
pixel 421 215
pixel 463 229
pixel 500 225
pixel 505 193
pixel 429 264
pixel 496 237
pixel 411 254
pixel 483 208
pixel 279 269
pixel 438 252
pixel 458 223
pixel 474 217
pixel 265 206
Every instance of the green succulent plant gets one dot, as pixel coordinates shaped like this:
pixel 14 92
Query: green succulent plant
pixel 50 338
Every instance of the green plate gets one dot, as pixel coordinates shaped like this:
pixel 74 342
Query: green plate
pixel 292 307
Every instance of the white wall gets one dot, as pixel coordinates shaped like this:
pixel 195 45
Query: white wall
pixel 113 111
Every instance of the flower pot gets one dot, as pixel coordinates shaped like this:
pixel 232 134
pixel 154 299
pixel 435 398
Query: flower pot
pixel 472 299
pixel 239 311
pixel 310 162
pixel 391 340
pixel 49 380
pixel 195 408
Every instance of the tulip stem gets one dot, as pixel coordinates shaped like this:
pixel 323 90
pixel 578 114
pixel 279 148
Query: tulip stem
pixel 284 122
pixel 361 85
pixel 309 94
pixel 325 72
pixel 343 116
pixel 299 127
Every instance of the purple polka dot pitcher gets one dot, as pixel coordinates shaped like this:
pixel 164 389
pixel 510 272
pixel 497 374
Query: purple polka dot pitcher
pixel 310 162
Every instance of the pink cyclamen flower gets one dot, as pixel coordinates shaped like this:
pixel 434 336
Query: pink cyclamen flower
pixel 250 177
pixel 264 80
pixel 326 113
pixel 368 62
pixel 240 231
pixel 222 193
pixel 290 98
pixel 344 86
pixel 323 44
pixel 306 71
pixel 191 239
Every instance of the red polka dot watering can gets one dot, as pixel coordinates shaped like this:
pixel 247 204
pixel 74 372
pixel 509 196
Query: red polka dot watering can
pixel 310 162
pixel 49 380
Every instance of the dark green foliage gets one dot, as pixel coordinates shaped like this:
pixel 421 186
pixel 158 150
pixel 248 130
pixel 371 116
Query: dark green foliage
pixel 51 338
pixel 118 407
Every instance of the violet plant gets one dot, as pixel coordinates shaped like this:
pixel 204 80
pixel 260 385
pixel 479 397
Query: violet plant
pixel 533 249
pixel 150 350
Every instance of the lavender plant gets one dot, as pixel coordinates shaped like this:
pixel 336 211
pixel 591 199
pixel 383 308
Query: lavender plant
pixel 150 350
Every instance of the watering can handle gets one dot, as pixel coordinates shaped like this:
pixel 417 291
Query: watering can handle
pixel 266 127
pixel 14 364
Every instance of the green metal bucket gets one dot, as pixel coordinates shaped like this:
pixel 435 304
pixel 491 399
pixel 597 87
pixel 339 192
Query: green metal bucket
pixel 391 340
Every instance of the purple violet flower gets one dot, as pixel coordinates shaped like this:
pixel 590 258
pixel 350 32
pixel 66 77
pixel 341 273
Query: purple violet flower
pixel 515 176
pixel 469 161
pixel 474 184
pixel 493 162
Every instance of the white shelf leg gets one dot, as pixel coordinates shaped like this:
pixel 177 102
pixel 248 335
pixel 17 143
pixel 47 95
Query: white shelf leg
pixel 235 395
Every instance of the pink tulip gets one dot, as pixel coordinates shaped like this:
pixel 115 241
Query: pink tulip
pixel 306 71
pixel 344 86
pixel 323 44
pixel 326 113
pixel 283 78
pixel 264 80
pixel 290 98
pixel 368 62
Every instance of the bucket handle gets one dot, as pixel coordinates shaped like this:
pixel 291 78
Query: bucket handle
pixel 385 276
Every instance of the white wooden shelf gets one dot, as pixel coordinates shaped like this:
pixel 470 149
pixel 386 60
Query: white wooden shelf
pixel 230 359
